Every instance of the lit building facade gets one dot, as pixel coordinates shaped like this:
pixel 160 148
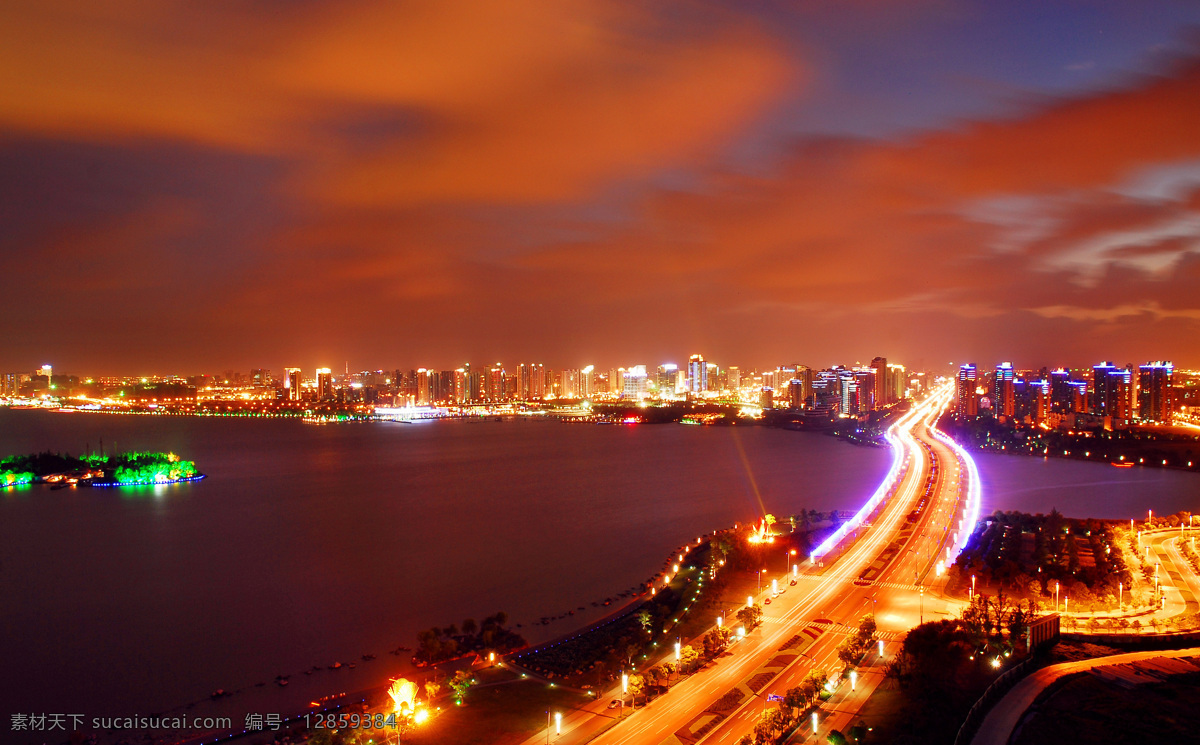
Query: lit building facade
pixel 1003 401
pixel 967 404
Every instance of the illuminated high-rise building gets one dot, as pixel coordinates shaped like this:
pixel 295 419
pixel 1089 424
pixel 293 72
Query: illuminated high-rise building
pixel 1154 391
pixel 569 385
pixel 734 376
pixel 766 399
pixel 897 382
pixel 495 384
pixel 804 374
pixel 848 392
pixel 522 382
pixel 867 380
pixel 666 378
pixel 967 405
pixel 796 397
pixel 424 387
pixel 1003 403
pixel 460 385
pixel 616 381
pixel 9 385
pixel 1079 396
pixel 697 374
pixel 291 383
pixel 882 398
pixel 636 385
pixel 537 380
pixel 1062 395
pixel 587 381
pixel 324 384
pixel 1111 392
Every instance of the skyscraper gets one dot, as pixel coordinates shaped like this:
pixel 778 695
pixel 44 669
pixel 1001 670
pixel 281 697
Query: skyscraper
pixel 735 377
pixel 587 381
pixel 291 383
pixel 324 384
pixel 868 389
pixel 635 383
pixel 1062 396
pixel 1154 391
pixel 880 365
pixel 495 383
pixel 665 380
pixel 1102 394
pixel 697 374
pixel 796 397
pixel 967 406
pixel 848 392
pixel 569 387
pixel 1003 404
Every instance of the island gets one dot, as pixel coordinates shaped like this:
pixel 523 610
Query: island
pixel 124 469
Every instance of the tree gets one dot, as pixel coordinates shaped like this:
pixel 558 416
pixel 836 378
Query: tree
pixel 469 627
pixel 867 628
pixel 636 686
pixel 432 689
pixel 461 681
pixel 646 619
pixel 688 655
pixel 835 737
pixel 750 616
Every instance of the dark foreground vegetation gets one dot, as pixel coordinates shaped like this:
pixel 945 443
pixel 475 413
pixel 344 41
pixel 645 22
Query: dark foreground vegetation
pixel 1031 555
pixel 445 643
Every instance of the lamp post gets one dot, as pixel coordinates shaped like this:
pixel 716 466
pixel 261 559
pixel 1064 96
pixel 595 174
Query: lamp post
pixel 1120 596
pixel 1056 596
pixel 922 604
pixel 557 723
pixel 972 588
pixel 787 559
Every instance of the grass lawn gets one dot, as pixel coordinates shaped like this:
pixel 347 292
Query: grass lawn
pixel 499 715
pixel 1087 710
pixel 882 713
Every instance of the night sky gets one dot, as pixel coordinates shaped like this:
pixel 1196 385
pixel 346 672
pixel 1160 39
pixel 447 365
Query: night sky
pixel 195 187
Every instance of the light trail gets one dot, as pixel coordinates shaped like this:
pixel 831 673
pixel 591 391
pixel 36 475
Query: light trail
pixel 974 501
pixel 903 445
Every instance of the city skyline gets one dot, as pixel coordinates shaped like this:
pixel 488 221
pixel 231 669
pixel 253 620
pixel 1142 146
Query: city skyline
pixel 600 181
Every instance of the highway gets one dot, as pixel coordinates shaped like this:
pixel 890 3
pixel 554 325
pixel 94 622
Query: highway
pixel 804 625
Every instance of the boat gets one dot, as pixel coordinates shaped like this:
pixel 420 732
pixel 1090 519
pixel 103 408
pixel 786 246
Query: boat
pixel 1121 464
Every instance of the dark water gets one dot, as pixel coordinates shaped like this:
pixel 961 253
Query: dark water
pixel 310 544
pixel 1081 489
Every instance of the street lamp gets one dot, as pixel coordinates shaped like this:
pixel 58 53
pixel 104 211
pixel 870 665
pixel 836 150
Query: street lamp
pixel 853 679
pixel 1120 596
pixel 972 587
pixel 624 683
pixel 1056 596
pixel 749 601
pixel 557 723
